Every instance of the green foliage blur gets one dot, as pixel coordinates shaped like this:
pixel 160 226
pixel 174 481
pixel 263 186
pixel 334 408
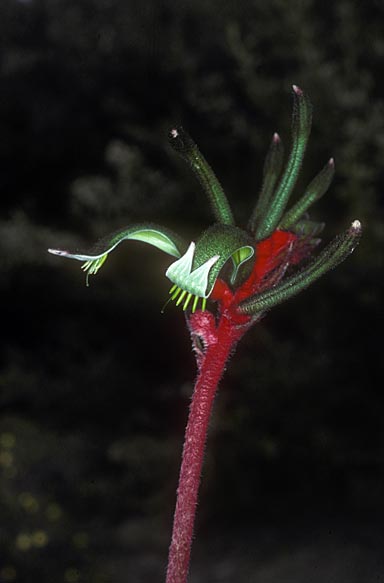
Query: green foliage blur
pixel 95 382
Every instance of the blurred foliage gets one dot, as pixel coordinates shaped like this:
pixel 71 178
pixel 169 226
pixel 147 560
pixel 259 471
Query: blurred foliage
pixel 95 383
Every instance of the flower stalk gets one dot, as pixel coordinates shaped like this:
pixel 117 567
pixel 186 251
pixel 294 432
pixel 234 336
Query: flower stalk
pixel 212 366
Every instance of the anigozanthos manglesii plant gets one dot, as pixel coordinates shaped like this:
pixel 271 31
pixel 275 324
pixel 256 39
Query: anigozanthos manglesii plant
pixel 229 278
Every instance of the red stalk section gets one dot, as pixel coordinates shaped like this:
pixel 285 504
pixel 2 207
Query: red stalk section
pixel 214 341
pixel 222 341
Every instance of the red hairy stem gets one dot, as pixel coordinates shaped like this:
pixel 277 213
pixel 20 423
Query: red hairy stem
pixel 221 342
pixel 214 340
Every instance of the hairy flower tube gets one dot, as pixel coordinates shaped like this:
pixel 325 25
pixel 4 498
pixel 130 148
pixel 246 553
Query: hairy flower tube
pixel 229 277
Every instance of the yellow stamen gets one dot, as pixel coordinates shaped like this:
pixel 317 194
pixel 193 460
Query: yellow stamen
pixel 203 304
pixel 180 299
pixel 86 265
pixel 195 302
pixel 176 293
pixel 187 302
pixel 172 289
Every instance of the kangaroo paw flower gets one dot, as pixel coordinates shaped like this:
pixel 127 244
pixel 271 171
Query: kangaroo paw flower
pixel 228 277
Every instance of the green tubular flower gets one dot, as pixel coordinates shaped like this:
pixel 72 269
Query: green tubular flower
pixel 314 191
pixel 154 235
pixel 243 270
pixel 272 169
pixel 187 149
pixel 270 216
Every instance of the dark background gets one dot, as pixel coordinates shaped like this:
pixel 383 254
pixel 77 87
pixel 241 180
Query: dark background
pixel 95 382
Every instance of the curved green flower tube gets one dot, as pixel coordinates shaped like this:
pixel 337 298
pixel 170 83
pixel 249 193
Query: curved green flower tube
pixel 272 169
pixel 160 237
pixel 301 127
pixel 183 144
pixel 314 191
